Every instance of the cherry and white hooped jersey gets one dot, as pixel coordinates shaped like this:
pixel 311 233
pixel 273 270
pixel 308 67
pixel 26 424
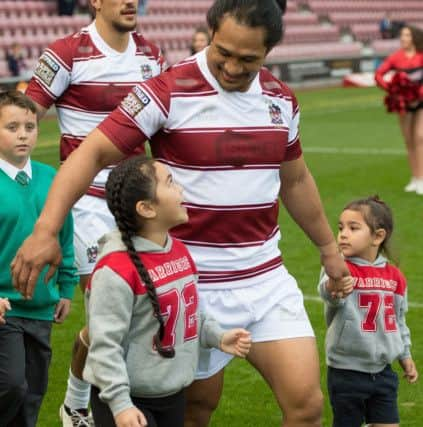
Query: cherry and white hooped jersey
pixel 86 79
pixel 225 149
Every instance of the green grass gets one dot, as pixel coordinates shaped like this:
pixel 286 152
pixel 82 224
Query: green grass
pixel 353 149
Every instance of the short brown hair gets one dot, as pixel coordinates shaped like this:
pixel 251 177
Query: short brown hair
pixel 17 98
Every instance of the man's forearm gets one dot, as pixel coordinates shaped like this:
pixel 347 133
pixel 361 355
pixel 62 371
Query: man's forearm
pixel 73 179
pixel 303 203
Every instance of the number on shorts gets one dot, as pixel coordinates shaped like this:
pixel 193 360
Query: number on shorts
pixel 373 303
pixel 170 304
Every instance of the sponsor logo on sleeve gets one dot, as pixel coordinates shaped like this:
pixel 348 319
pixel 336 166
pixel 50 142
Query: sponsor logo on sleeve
pixel 47 69
pixel 135 101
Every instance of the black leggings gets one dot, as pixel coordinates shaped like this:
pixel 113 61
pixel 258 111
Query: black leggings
pixel 159 411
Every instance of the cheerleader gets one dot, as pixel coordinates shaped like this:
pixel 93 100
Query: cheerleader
pixel 405 96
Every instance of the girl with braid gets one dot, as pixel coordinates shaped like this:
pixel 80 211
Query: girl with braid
pixel 142 304
pixel 365 314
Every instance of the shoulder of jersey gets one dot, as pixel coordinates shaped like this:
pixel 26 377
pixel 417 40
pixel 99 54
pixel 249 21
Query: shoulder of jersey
pixel 145 46
pixel 74 47
pixel 186 77
pixel 273 85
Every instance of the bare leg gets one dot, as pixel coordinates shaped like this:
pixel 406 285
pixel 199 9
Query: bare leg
pixel 291 368
pixel 202 398
pixel 417 141
pixel 406 125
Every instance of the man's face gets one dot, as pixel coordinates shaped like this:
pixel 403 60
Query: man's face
pixel 236 54
pixel 120 14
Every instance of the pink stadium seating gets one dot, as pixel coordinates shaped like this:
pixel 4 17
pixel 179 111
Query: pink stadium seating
pixel 326 6
pixel 4 70
pixel 312 51
pixel 174 56
pixel 354 17
pixel 365 32
pixel 310 34
pixel 385 47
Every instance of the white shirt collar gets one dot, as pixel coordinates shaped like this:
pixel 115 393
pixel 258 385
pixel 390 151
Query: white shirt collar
pixel 105 48
pixel 11 171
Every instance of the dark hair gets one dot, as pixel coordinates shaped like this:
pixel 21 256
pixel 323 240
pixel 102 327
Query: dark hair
pixel 377 214
pixel 253 13
pixel 18 99
pixel 129 182
pixel 417 36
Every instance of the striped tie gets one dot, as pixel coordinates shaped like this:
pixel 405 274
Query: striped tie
pixel 22 178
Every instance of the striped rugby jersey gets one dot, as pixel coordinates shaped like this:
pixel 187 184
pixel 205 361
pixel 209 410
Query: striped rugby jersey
pixel 225 149
pixel 86 79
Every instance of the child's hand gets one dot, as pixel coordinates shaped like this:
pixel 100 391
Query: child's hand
pixel 236 342
pixel 131 417
pixel 4 306
pixel 409 368
pixel 340 288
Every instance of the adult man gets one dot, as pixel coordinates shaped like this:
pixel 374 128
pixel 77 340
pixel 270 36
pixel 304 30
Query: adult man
pixel 228 130
pixel 86 75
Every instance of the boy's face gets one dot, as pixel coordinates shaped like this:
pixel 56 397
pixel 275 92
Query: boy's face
pixel 18 134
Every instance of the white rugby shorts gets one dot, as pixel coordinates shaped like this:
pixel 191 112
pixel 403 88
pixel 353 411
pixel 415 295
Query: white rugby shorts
pixel 271 310
pixel 92 219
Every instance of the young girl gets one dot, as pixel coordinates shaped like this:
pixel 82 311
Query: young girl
pixel 143 322
pixel 365 314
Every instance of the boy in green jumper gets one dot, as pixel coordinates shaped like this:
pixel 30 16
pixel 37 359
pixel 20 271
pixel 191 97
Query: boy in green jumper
pixel 25 325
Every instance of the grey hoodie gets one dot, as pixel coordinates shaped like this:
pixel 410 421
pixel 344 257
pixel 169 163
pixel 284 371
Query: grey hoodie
pixel 367 329
pixel 121 359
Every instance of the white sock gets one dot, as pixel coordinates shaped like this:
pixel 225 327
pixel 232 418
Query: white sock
pixel 78 393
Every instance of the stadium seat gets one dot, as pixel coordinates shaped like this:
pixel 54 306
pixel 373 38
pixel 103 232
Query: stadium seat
pixel 286 53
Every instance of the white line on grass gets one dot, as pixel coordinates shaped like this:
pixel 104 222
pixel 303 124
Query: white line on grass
pixel 366 151
pixel 318 299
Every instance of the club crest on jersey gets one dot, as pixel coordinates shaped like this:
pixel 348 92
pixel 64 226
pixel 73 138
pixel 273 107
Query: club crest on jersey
pixel 275 114
pixel 46 69
pixel 135 101
pixel 146 71
pixel 92 254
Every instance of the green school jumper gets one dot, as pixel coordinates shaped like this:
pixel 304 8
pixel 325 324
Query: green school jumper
pixel 20 206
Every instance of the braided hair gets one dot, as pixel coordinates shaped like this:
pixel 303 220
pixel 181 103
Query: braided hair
pixel 377 214
pixel 131 181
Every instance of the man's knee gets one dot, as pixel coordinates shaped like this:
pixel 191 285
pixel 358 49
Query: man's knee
pixel 202 402
pixel 307 410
